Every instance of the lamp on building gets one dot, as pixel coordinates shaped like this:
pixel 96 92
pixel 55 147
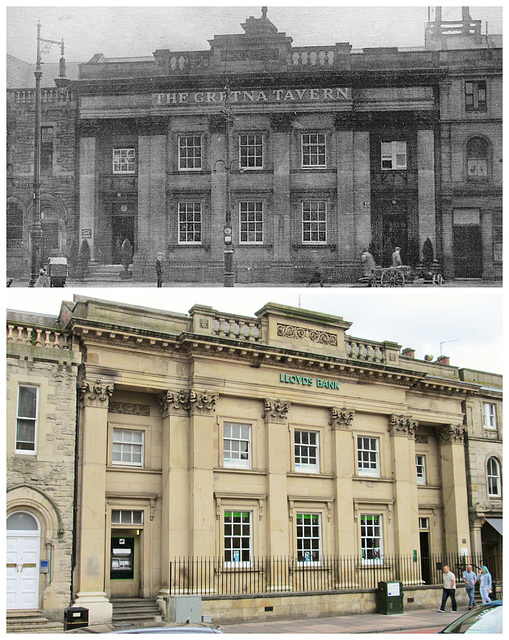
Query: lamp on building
pixel 43 46
pixel 227 112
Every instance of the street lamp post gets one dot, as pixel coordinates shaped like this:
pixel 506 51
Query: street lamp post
pixel 36 227
pixel 228 276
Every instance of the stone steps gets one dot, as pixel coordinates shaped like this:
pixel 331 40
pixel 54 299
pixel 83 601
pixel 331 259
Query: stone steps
pixel 134 610
pixel 31 621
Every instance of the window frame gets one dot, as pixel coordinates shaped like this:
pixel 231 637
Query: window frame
pixel 116 171
pixel 240 563
pixel 489 417
pixel 192 157
pixel 47 150
pixel 392 157
pixel 497 476
pixel 472 156
pixel 369 472
pixel 363 537
pixel 306 150
pixel 121 463
pixel 131 523
pixel 319 538
pixel 247 221
pixel 421 479
pixel 238 463
pixel 186 203
pixel 475 103
pixel 306 467
pixel 315 226
pixel 34 419
pixel 244 151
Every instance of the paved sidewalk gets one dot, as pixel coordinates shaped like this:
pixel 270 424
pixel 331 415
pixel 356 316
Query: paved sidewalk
pixel 361 623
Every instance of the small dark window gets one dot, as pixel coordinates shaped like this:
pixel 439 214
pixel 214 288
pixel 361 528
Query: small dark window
pixel 14 225
pixel 47 150
pixel 475 95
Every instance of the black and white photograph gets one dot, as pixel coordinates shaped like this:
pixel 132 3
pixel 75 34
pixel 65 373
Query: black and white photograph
pixel 254 146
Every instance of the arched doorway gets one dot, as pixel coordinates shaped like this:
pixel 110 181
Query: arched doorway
pixel 23 548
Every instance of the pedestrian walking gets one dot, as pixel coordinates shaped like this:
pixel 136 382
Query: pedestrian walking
pixel 485 584
pixel 43 279
pixel 449 589
pixel 470 580
pixel 368 265
pixel 159 269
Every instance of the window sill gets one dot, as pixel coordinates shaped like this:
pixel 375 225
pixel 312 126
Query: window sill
pixel 127 469
pixel 256 472
pixel 372 479
pixel 310 474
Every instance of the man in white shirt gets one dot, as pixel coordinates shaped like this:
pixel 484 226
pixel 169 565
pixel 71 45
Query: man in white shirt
pixel 449 584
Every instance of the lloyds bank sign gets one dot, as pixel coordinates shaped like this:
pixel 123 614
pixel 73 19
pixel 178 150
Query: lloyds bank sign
pixel 307 381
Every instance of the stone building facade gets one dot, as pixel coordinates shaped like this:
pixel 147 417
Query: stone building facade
pixel 294 158
pixel 187 422
pixel 42 371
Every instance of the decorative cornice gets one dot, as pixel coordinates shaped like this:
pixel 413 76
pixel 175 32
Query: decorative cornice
pixel 341 418
pixel 128 408
pixel 452 434
pixel 402 426
pixel 96 394
pixel 369 120
pixel 275 410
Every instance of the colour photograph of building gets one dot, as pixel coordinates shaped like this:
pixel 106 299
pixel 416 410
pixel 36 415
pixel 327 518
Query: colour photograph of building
pixel 233 457
pixel 254 160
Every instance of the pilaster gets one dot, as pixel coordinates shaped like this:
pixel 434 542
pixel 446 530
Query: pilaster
pixel 406 505
pixel 218 184
pixel 426 185
pixel 201 473
pixel 281 124
pixel 87 191
pixel 275 413
pixel 451 439
pixel 341 423
pixel 90 587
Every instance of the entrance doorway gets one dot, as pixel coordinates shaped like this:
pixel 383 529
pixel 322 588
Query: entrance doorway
pixel 125 565
pixel 23 547
pixel 425 557
pixel 467 251
pixel 50 244
pixel 394 234
pixel 122 227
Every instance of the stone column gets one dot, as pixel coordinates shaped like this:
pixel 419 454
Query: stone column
pixel 454 488
pixel 426 186
pixel 201 473
pixel 152 229
pixel 87 192
pixel 276 426
pixel 91 561
pixel 175 484
pixel 406 505
pixel 341 421
pixel 281 124
pixel 345 210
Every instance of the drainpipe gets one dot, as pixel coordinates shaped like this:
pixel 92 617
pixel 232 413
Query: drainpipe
pixel 75 497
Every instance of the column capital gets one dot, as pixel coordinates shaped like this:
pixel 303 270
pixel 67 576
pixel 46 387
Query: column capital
pixel 402 426
pixel 275 410
pixel 202 401
pixel 281 122
pixel 96 394
pixel 452 434
pixel 174 402
pixel 341 418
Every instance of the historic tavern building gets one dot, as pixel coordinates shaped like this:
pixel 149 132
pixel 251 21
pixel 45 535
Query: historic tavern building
pixel 213 435
pixel 265 159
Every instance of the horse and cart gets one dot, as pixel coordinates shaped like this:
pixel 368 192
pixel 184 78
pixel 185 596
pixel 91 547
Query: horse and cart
pixel 400 276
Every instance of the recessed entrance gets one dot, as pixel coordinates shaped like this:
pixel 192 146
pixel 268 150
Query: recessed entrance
pixel 125 565
pixel 467 251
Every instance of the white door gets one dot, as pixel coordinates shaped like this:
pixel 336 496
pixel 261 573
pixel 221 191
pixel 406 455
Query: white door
pixel 23 544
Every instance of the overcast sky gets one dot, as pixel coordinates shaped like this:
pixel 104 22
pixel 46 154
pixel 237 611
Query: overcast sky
pixel 126 30
pixel 469 322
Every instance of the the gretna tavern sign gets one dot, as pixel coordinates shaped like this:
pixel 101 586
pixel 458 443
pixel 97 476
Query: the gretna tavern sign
pixel 336 94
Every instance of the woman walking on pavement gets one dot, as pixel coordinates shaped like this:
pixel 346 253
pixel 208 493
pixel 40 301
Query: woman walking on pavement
pixel 485 584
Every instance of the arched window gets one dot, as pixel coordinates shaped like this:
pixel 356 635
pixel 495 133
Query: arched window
pixel 477 159
pixel 494 478
pixel 14 225
pixel 20 521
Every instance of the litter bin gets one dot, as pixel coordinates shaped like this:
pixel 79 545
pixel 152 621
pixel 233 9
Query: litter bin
pixel 57 271
pixel 75 617
pixel 390 597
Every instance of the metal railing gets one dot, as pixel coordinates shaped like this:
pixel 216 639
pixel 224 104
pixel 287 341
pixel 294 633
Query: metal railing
pixel 264 575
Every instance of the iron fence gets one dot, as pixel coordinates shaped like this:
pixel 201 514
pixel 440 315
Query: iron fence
pixel 271 574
